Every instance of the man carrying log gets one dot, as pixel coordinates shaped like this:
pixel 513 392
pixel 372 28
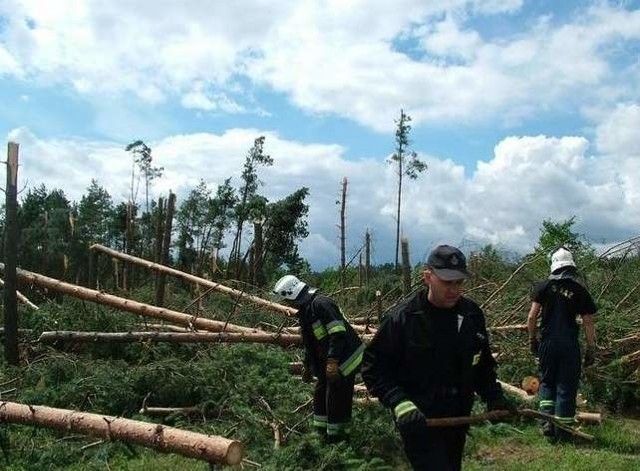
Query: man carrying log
pixel 428 358
pixel 333 353
pixel 558 300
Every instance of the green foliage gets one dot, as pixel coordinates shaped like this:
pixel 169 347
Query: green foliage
pixel 285 225
pixel 554 235
pixel 202 221
pixel 44 221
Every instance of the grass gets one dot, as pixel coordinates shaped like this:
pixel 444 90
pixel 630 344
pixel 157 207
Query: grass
pixel 616 446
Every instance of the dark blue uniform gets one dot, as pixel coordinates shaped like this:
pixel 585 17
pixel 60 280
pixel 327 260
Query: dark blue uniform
pixel 327 334
pixel 437 358
pixel 562 299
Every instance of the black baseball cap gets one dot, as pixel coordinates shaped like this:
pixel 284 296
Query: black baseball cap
pixel 448 263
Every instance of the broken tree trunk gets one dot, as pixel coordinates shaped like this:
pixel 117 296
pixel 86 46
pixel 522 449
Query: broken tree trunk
pixel 129 305
pixel 195 279
pixel 22 298
pixel 343 258
pixel 11 238
pixel 171 337
pixel 166 248
pixel 406 266
pixel 211 448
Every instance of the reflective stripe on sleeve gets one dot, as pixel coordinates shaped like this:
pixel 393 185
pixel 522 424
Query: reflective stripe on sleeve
pixel 336 326
pixel 351 363
pixel 403 408
pixel 318 330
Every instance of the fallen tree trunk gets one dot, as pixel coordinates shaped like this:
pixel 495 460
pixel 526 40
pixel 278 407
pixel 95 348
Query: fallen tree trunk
pixel 211 448
pixel 22 298
pixel 129 305
pixel 234 293
pixel 171 337
pixel 282 309
pixel 165 328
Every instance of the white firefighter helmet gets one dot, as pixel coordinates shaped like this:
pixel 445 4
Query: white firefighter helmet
pixel 561 258
pixel 289 287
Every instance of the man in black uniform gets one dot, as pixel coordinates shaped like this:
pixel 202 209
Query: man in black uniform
pixel 333 353
pixel 558 300
pixel 428 358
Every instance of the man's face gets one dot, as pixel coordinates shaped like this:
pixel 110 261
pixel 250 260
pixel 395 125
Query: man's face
pixel 442 293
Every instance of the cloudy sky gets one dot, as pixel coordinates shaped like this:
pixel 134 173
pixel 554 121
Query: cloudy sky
pixel 523 110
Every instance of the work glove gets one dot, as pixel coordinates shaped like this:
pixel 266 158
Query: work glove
pixel 307 375
pixel 332 371
pixel 589 355
pixel 409 418
pixel 502 403
pixel 534 345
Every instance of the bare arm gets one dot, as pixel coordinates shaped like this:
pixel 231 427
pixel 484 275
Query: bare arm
pixel 589 329
pixel 532 319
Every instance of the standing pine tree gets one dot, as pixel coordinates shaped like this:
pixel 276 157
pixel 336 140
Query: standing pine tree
pixel 255 157
pixel 408 165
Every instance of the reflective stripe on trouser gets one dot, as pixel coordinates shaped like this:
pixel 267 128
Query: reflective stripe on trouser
pixel 320 421
pixel 548 406
pixel 336 429
pixel 570 421
pixel 334 401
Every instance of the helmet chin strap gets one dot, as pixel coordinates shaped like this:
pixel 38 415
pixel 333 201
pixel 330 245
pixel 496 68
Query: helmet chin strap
pixel 305 297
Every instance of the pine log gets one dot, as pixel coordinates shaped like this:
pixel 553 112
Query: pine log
pixel 165 328
pixel 282 309
pixel 515 391
pixel 211 448
pixel 171 337
pixel 165 411
pixel 129 305
pixel 22 298
pixel 234 293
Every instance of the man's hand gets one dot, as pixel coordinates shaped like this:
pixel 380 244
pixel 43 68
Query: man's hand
pixel 589 355
pixel 332 371
pixel 307 375
pixel 409 418
pixel 534 345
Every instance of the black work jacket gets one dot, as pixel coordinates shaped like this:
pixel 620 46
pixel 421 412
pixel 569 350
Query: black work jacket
pixel 562 299
pixel 437 358
pixel 327 334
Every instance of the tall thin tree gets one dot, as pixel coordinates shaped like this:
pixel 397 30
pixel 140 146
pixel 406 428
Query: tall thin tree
pixel 408 164
pixel 10 258
pixel 343 257
pixel 255 157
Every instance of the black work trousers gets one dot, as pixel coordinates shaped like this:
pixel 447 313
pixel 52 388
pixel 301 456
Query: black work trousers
pixel 560 371
pixel 435 449
pixel 332 404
